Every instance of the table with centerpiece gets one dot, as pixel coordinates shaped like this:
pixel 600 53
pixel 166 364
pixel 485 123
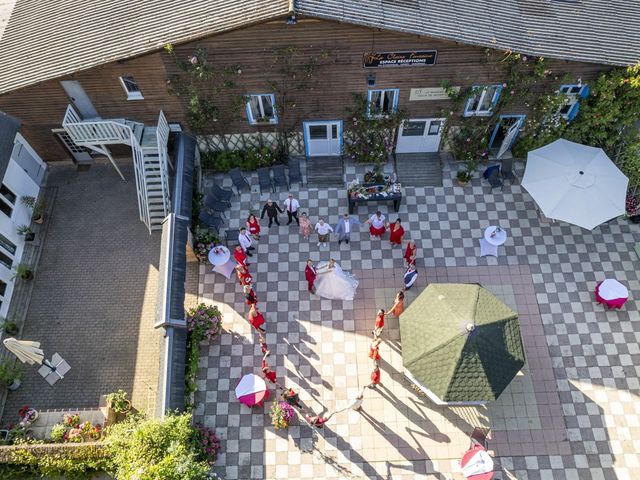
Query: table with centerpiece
pixel 373 192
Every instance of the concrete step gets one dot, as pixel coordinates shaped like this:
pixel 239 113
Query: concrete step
pixel 419 169
pixel 325 172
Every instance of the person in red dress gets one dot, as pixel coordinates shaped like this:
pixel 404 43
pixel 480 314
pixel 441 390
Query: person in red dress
pixel 396 232
pixel 310 274
pixel 253 225
pixel 375 377
pixel 266 371
pixel 374 349
pixel 244 277
pixel 411 253
pixel 263 343
pixel 240 256
pixel 256 318
pixel 317 420
pixel 250 295
pixel 376 224
pixel 398 305
pixel 377 329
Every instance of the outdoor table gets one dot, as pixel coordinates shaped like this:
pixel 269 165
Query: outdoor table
pixel 498 239
pixel 219 255
pixel 612 293
pixel 395 197
pixel 477 464
pixel 252 390
pixel 226 269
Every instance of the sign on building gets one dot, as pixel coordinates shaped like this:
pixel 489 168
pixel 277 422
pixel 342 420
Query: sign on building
pixel 399 59
pixel 431 93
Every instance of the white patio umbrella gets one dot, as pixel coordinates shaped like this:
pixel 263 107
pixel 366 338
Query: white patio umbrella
pixel 26 351
pixel 575 183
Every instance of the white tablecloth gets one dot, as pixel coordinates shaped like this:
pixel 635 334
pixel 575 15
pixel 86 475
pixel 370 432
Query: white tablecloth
pixel 219 255
pixel 499 238
pixel 249 384
pixel 611 289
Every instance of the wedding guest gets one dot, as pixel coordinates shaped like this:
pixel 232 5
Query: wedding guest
pixel 244 239
pixel 250 295
pixel 317 420
pixel 310 274
pixel 410 277
pixel 323 230
pixel 374 349
pixel 291 397
pixel 345 227
pixel 291 206
pixel 256 318
pixel 411 253
pixel 396 232
pixel 271 208
pixel 240 255
pixel 379 325
pixel 244 277
pixel 376 223
pixel 355 403
pixel 253 224
pixel 263 343
pixel 305 225
pixel 375 377
pixel 398 305
pixel 266 371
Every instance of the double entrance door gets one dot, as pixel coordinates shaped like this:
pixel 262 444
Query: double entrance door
pixel 323 138
pixel 418 135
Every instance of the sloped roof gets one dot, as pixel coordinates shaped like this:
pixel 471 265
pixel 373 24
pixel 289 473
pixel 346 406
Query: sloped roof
pixel 456 364
pixel 595 31
pixel 48 39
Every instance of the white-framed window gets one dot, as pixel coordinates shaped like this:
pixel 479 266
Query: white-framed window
pixel 261 109
pixel 572 95
pixel 7 200
pixel 382 102
pixel 482 100
pixel 131 87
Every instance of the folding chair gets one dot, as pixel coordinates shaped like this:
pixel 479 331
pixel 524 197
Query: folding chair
pixel 279 177
pixel 487 248
pixel 506 170
pixel 213 204
pixel 494 179
pixel 238 179
pixel 221 193
pixel 264 178
pixel 209 220
pixel 294 171
pixel 231 235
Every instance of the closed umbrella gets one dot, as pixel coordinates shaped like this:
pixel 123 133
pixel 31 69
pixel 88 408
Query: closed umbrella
pixel 575 183
pixel 26 351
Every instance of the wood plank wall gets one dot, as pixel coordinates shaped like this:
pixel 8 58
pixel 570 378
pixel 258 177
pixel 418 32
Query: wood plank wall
pixel 42 107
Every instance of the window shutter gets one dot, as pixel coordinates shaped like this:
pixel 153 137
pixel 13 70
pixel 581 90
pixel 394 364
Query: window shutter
pixel 573 112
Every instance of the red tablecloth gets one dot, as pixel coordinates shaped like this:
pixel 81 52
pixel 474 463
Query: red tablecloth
pixel 254 399
pixel 611 303
pixel 467 457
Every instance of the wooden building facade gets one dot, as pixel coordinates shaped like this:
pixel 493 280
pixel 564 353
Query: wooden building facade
pixel 404 71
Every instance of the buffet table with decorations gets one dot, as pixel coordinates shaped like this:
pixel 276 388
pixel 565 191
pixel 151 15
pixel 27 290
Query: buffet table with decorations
pixel 372 192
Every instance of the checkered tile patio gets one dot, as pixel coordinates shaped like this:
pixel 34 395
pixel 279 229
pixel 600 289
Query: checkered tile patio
pixel 573 414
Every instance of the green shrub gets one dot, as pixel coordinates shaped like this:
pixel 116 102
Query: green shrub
pixel 151 449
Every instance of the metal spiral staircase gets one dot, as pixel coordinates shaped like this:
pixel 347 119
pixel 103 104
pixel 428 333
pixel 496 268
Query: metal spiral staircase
pixel 150 157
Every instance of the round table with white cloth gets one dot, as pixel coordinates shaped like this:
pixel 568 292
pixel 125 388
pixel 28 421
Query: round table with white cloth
pixel 498 239
pixel 219 255
pixel 611 289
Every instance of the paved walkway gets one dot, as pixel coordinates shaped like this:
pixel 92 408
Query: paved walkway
pixel 94 295
pixel 572 415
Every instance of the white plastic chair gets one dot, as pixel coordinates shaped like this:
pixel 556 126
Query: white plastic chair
pixel 487 248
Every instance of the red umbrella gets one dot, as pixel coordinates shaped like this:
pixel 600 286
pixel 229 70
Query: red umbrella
pixel 477 464
pixel 251 390
pixel 612 293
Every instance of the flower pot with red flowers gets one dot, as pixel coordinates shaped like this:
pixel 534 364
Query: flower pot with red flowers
pixel 28 415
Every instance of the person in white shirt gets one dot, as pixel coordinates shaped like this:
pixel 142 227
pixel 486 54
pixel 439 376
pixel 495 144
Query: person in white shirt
pixel 323 230
pixel 376 223
pixel 345 227
pixel 244 239
pixel 291 205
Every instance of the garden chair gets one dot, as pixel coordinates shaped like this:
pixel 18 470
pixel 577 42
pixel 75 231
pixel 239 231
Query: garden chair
pixel 506 170
pixel 238 180
pixel 493 177
pixel 225 203
pixel 209 220
pixel 264 178
pixel 279 177
pixel 221 193
pixel 294 171
pixel 213 204
pixel 231 235
pixel 487 248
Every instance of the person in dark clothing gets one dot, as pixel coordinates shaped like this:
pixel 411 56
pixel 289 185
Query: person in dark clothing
pixel 271 208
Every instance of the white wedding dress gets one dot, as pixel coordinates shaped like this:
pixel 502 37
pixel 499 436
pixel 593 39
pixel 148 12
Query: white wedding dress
pixel 334 283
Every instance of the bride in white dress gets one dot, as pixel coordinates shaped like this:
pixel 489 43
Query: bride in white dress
pixel 333 283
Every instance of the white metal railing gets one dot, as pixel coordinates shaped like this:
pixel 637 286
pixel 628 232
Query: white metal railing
pixel 102 132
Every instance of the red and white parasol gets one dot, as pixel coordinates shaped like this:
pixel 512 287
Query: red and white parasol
pixel 477 464
pixel 251 390
pixel 612 293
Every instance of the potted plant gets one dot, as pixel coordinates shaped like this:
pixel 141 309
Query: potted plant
pixel 38 212
pixel 470 165
pixel 118 402
pixel 281 414
pixel 26 231
pixel 23 271
pixel 373 176
pixel 10 374
pixel 10 327
pixel 28 415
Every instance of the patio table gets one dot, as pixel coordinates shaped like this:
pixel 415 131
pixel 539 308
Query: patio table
pixel 612 293
pixel 498 239
pixel 219 255
pixel 375 196
pixel 252 390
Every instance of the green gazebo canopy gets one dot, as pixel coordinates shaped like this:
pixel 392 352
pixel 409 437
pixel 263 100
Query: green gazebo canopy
pixel 461 342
